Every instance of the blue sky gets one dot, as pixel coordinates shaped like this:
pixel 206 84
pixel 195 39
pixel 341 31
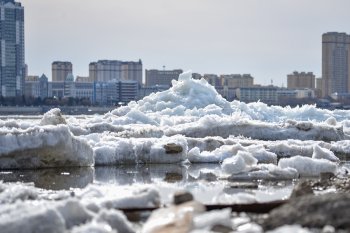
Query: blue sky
pixel 266 38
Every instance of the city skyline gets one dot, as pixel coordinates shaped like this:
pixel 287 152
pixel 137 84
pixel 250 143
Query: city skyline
pixel 268 40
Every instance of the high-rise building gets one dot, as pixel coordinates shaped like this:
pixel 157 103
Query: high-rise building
pixel 60 70
pixel 109 70
pixel 161 77
pixel 335 63
pixel 301 80
pixel 12 65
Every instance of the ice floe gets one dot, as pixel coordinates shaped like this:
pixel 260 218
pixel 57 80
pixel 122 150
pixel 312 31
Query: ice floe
pixel 308 166
pixel 43 146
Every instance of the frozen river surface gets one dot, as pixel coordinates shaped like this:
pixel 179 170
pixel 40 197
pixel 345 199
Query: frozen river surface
pixel 74 172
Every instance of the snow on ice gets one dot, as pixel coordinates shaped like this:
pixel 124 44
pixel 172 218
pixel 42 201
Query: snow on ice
pixel 188 124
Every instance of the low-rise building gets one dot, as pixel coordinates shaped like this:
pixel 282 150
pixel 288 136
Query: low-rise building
pixel 36 86
pixel 115 92
pixel 265 94
pixel 161 77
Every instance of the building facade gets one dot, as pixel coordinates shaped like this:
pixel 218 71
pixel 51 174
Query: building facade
pixel 12 65
pixel 109 70
pixel 237 80
pixel 36 86
pixel 213 80
pixel 265 94
pixel 161 77
pixel 115 92
pixel 301 80
pixel 60 70
pixel 335 63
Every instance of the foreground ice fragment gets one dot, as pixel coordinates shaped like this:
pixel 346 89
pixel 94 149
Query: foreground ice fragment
pixel 308 166
pixel 290 229
pixel 323 153
pixel 241 162
pixel 21 218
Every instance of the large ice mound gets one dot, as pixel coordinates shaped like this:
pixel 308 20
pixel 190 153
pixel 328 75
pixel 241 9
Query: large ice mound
pixel 185 94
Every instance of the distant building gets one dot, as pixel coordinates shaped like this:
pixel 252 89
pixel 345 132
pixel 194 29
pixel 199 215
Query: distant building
pixel 296 93
pixel 60 70
pixel 83 79
pixel 36 86
pixel 237 80
pixel 213 80
pixel 301 80
pixel 229 94
pixel 161 77
pixel 146 91
pixel 196 76
pixel 69 88
pixel 335 63
pixel 294 97
pixel 12 65
pixel 115 92
pixel 319 87
pixel 109 70
pixel 265 94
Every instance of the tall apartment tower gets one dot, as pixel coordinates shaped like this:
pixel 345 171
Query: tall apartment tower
pixel 301 80
pixel 60 70
pixel 335 63
pixel 12 65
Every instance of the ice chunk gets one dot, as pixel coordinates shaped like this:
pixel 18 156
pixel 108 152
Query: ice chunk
pixel 234 165
pixel 308 166
pixel 224 126
pixel 95 198
pixel 323 153
pixel 74 213
pixel 94 227
pixel 239 163
pixel 43 146
pixel 237 198
pixel 212 218
pixel 177 218
pixel 23 218
pixel 215 156
pixel 266 172
pixel 53 117
pixel 116 219
pixel 15 192
pixel 290 229
pixel 141 150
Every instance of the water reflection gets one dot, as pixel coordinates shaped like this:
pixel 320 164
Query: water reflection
pixel 52 178
pixel 204 181
pixel 142 174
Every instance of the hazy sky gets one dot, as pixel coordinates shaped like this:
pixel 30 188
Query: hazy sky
pixel 266 38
